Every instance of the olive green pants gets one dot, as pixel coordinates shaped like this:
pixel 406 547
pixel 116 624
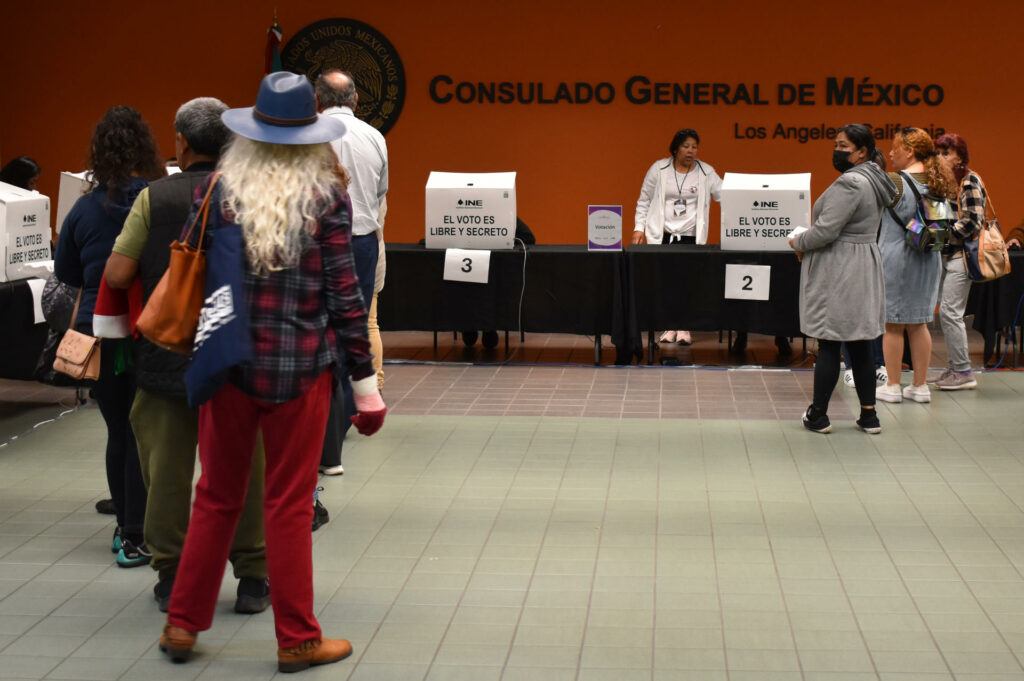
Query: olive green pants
pixel 166 430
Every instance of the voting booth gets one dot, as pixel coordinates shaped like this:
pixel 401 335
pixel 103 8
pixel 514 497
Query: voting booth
pixel 471 210
pixel 759 211
pixel 25 236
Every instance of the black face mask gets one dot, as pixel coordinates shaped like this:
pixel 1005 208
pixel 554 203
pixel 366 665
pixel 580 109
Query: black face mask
pixel 841 160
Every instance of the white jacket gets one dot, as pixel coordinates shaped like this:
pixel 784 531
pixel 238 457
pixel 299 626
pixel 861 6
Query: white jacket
pixel 650 207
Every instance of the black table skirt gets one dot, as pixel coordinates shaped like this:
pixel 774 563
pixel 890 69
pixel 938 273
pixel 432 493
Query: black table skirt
pixel 568 290
pixel 682 287
pixel 22 340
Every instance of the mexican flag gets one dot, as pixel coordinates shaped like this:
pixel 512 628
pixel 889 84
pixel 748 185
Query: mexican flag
pixel 272 55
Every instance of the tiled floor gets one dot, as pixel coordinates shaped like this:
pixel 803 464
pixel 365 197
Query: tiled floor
pixel 678 524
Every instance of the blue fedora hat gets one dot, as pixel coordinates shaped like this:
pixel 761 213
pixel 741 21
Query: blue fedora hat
pixel 285 113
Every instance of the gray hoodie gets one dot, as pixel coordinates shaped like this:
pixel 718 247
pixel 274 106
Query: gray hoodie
pixel 842 293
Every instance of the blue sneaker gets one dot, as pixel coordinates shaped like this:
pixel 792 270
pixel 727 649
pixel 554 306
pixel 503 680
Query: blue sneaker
pixel 115 545
pixel 131 555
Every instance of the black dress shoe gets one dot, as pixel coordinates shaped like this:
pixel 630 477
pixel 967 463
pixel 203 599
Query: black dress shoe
pixel 782 343
pixel 469 338
pixel 253 595
pixel 489 339
pixel 106 507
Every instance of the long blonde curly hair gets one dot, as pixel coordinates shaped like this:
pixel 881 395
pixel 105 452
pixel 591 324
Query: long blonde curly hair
pixel 277 193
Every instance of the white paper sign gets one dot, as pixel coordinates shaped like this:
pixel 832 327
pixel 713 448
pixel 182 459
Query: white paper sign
pixel 36 285
pixel 463 265
pixel 747 282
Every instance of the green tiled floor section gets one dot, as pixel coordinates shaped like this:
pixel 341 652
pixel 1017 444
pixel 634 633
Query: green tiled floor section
pixel 584 549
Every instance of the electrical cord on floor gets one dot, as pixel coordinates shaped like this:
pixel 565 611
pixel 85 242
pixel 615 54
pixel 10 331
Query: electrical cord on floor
pixel 522 294
pixel 1013 330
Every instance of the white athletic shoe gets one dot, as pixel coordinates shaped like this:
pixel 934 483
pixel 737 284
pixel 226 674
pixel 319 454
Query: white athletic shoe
pixel 918 393
pixel 881 377
pixel 889 393
pixel 848 378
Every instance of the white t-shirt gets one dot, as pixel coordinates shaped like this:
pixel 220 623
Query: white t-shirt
pixel 680 200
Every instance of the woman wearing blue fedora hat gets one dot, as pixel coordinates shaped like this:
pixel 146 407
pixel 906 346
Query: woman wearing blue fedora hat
pixel 280 183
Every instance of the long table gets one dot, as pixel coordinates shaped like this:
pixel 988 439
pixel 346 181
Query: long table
pixel 571 290
pixel 567 290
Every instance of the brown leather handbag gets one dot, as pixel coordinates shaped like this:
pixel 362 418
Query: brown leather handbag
pixel 171 314
pixel 78 355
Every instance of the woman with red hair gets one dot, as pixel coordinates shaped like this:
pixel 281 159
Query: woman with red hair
pixel 911 277
pixel 956 285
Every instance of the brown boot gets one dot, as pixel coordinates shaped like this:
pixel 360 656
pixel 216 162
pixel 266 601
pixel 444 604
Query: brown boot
pixel 177 643
pixel 310 653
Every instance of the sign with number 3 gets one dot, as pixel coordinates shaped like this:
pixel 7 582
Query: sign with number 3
pixel 747 282
pixel 464 265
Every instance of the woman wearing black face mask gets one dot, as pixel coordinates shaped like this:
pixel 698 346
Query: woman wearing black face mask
pixel 842 294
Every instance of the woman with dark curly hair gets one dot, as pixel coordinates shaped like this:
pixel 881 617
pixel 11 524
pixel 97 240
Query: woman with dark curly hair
pixel 123 158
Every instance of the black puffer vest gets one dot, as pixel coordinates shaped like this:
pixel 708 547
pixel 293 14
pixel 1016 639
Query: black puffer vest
pixel 170 199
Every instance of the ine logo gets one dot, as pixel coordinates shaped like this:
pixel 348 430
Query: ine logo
pixel 470 203
pixel 28 219
pixel 770 205
pixel 361 50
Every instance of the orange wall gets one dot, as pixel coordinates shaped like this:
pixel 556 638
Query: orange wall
pixel 66 62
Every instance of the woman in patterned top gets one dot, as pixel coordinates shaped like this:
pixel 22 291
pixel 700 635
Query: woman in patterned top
pixel 280 183
pixel 956 285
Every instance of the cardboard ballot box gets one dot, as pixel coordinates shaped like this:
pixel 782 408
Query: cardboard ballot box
pixel 471 210
pixel 72 186
pixel 24 232
pixel 759 211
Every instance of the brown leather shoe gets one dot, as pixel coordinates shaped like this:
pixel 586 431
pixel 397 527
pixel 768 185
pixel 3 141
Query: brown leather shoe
pixel 177 643
pixel 311 653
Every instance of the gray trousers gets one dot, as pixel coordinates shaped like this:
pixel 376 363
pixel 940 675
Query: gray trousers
pixel 953 292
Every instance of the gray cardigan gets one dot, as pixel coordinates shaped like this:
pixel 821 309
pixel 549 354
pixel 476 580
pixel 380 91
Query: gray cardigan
pixel 842 292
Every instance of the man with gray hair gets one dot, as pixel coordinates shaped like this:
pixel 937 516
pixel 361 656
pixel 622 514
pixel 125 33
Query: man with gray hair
pixel 166 427
pixel 364 154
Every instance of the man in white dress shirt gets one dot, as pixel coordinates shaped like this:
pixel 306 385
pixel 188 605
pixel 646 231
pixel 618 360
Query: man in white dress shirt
pixel 364 154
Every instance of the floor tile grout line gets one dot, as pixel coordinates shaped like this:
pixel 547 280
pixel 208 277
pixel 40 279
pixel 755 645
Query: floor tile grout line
pixel 771 550
pixel 597 559
pixel 479 557
pixel 888 552
pixel 377 534
pixel 714 551
pixel 533 572
pixel 963 580
pixel 828 546
pixel 657 528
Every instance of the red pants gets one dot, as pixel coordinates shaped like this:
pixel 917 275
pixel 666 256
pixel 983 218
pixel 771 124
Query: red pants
pixel 293 435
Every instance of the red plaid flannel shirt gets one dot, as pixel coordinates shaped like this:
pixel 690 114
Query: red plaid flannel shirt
pixel 303 319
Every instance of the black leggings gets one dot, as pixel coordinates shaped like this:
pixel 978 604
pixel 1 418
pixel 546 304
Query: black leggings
pixel 826 371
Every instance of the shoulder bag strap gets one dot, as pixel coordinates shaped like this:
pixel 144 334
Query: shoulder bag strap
pixel 204 212
pixel 74 312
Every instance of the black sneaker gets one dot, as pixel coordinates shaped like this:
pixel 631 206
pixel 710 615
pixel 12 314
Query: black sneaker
pixel 162 593
pixel 320 515
pixel 253 595
pixel 868 422
pixel 816 421
pixel 117 541
pixel 132 555
pixel 106 507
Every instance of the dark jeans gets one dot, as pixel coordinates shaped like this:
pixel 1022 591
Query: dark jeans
pixel 114 394
pixel 826 372
pixel 343 406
